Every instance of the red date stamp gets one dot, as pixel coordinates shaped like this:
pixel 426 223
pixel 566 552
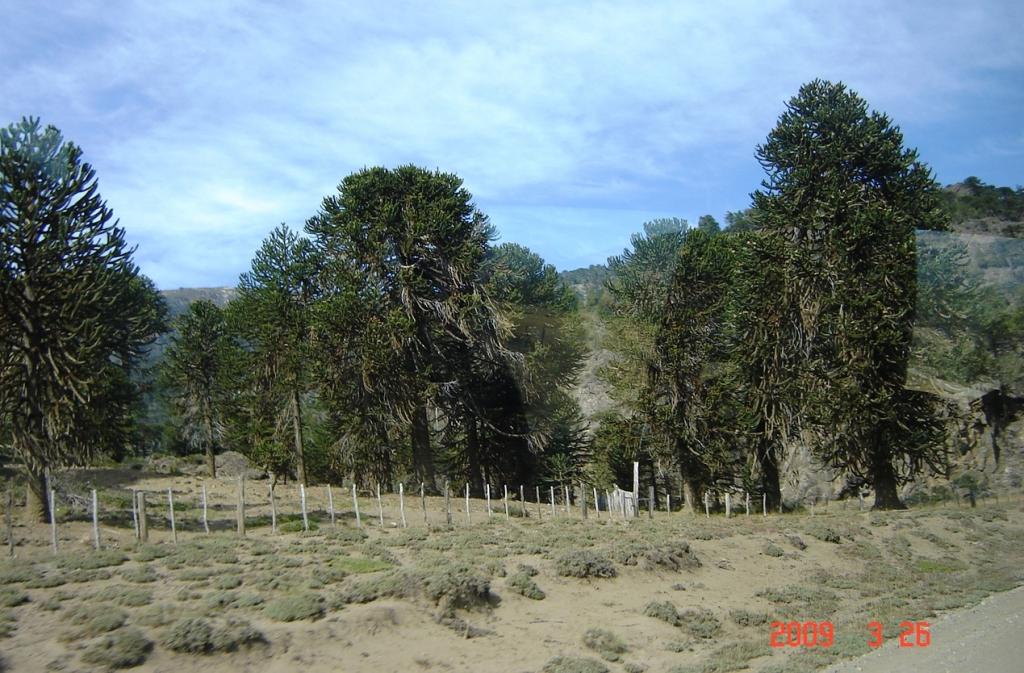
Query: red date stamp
pixel 823 634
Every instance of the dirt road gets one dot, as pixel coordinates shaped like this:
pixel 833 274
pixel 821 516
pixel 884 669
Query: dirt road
pixel 988 638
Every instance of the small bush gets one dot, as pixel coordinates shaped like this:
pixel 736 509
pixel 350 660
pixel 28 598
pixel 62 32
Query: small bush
pixel 664 611
pixel 296 526
pixel 584 563
pixel 123 649
pixel 747 618
pixel 16 573
pixel 574 665
pixel 85 576
pixel 93 619
pixel 10 597
pixel 523 584
pixel 678 645
pixel 527 569
pixel 770 549
pixel 634 667
pixel 128 597
pixel 825 534
pixel 796 541
pixel 160 614
pixel 140 574
pixel 674 556
pixel 93 560
pixel 356 565
pixel 294 608
pixel 605 643
pixel 701 622
pixel 227 582
pixel 198 636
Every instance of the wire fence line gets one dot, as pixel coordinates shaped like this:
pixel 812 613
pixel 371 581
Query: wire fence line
pixel 245 505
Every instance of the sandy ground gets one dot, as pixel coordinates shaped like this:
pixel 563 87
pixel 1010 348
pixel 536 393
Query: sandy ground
pixel 401 636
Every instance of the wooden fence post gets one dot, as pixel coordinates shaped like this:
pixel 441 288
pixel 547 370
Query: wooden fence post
pixel 487 494
pixel 135 512
pixel 650 502
pixel 552 494
pixel 206 522
pixel 447 504
pixel 522 499
pixel 597 504
pixel 273 511
pixel 401 504
pixel 764 503
pixel 747 498
pixel 728 505
pixel 95 521
pixel 636 488
pixel 302 506
pixel 540 510
pixel 53 518
pixel 380 506
pixel 608 504
pixel 9 517
pixel 467 504
pixel 240 524
pixel 330 506
pixel 668 503
pixel 355 506
pixel 170 511
pixel 583 500
pixel 143 520
pixel 565 491
pixel 707 507
pixel 506 502
pixel 423 501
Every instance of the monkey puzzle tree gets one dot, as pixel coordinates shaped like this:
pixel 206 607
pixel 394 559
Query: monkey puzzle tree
pixel 409 243
pixel 76 312
pixel 199 370
pixel 844 197
pixel 272 313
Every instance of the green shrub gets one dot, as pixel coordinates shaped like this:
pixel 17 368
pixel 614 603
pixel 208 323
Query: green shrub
pixel 634 667
pixel 700 622
pixel 13 572
pixel 605 643
pixel 527 569
pixel 93 560
pixel 523 584
pixel 198 636
pixel 356 565
pixel 160 614
pixel 10 597
pixel 584 563
pixel 93 619
pixel 227 582
pixel 796 541
pixel 747 618
pixel 140 574
pixel 770 549
pixel 574 665
pixel 294 608
pixel 123 649
pixel 825 534
pixel 126 596
pixel 296 526
pixel 673 555
pixel 664 611
pixel 85 576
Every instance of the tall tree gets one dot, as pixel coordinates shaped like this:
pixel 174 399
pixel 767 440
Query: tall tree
pixel 272 313
pixel 200 372
pixel 845 197
pixel 410 243
pixel 77 313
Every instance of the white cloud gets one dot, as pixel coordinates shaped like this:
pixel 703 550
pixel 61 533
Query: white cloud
pixel 216 121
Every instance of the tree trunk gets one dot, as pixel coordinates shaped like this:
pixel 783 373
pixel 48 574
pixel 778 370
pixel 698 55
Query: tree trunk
pixel 211 460
pixel 300 454
pixel 883 478
pixel 769 475
pixel 474 475
pixel 422 458
pixel 690 490
pixel 37 501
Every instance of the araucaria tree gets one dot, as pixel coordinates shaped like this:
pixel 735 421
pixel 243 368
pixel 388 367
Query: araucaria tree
pixel 76 313
pixel 843 197
pixel 199 371
pixel 401 252
pixel 272 314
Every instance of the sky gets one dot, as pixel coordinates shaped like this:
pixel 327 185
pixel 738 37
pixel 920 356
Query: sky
pixel 571 123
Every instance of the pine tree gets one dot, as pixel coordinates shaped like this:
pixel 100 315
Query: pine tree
pixel 76 312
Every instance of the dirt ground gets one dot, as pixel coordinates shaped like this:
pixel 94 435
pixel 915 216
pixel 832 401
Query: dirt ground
pixel 429 598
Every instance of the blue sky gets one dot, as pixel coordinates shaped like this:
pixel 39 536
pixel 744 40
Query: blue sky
pixel 572 123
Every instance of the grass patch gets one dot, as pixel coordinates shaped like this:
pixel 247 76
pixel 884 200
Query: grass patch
pixel 522 583
pixel 356 565
pixel 700 622
pixel 747 618
pixel 126 596
pixel 584 563
pixel 664 611
pixel 123 649
pixel 605 643
pixel 945 565
pixel 93 560
pixel 93 619
pixel 294 608
pixel 10 597
pixel 574 665
pixel 15 573
pixel 225 582
pixel 140 574
pixel 198 636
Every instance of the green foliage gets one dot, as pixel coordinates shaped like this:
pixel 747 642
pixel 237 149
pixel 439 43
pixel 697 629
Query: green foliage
pixel 605 643
pixel 663 610
pixel 92 560
pixel 747 618
pixel 673 556
pixel 973 199
pixel 198 636
pixel 85 311
pixel 844 199
pixel 294 608
pixel 124 649
pixel 563 664
pixel 584 563
pixel 11 596
pixel 522 583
